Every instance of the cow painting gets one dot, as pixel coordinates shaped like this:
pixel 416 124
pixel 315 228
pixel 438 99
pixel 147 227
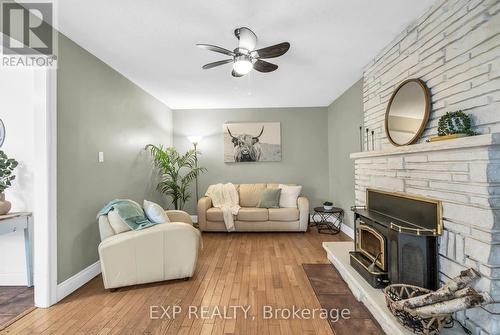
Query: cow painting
pixel 246 147
pixel 252 142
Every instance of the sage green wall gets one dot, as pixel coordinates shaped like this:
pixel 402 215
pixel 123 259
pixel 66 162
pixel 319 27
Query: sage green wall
pixel 345 115
pixel 304 143
pixel 98 109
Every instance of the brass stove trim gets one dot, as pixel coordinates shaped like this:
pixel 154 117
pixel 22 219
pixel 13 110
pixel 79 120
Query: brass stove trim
pixel 421 231
pixel 363 226
pixel 377 273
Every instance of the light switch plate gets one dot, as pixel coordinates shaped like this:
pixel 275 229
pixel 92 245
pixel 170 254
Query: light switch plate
pixel 101 157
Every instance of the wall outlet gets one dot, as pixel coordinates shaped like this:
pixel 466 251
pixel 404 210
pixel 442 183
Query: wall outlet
pixel 101 157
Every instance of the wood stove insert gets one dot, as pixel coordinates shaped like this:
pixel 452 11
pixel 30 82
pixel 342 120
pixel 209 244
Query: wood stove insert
pixel 396 239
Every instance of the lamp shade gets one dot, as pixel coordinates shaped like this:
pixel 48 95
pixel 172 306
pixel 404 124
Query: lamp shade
pixel 242 67
pixel 194 139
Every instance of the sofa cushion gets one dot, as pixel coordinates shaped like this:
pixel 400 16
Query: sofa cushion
pixel 155 212
pixel 283 214
pixel 253 214
pixel 278 185
pixel 250 194
pixel 270 198
pixel 289 195
pixel 215 214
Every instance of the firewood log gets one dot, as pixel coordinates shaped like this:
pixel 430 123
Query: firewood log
pixel 459 282
pixel 454 305
pixel 433 298
pixel 446 292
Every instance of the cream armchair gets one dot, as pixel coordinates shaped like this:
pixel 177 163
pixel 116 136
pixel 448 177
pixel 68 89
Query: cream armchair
pixel 163 252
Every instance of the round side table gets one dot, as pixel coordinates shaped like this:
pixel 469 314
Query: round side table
pixel 328 221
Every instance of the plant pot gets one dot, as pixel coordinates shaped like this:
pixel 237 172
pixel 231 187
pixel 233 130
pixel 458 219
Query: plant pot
pixel 4 205
pixel 328 208
pixel 446 137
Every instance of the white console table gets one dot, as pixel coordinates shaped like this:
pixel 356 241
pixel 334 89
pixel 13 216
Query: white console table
pixel 21 221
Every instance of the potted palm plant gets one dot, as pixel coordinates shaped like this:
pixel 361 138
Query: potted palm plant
pixel 177 172
pixel 7 166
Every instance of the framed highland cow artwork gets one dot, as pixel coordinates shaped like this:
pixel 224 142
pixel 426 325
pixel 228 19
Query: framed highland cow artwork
pixel 252 142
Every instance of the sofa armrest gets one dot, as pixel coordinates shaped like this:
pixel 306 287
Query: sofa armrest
pixel 203 205
pixel 179 216
pixel 303 206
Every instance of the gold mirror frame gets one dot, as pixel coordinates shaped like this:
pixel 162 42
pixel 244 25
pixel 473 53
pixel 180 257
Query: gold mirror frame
pixel 425 119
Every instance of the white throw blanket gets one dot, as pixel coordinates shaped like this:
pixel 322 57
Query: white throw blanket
pixel 225 197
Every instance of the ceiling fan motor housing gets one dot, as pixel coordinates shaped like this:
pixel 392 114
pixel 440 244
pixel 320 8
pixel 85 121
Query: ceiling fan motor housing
pixel 242 58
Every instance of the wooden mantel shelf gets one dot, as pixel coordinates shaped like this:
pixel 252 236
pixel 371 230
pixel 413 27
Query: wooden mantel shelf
pixel 459 143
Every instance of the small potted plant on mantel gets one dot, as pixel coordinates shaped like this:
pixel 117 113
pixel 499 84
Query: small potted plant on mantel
pixel 453 125
pixel 328 206
pixel 7 166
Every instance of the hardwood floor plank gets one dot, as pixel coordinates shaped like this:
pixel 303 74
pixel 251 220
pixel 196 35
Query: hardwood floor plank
pixel 237 269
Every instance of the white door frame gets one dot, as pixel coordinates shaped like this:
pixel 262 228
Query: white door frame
pixel 45 197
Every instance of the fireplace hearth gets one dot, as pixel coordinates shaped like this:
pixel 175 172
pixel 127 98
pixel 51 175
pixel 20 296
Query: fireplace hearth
pixel 396 239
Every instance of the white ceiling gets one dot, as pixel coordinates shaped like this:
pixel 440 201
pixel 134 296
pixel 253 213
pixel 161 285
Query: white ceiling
pixel 153 43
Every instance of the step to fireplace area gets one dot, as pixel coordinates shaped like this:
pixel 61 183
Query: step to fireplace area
pixel 338 255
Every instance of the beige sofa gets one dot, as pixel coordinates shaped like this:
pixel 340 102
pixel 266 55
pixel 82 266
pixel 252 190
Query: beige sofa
pixel 251 218
pixel 163 252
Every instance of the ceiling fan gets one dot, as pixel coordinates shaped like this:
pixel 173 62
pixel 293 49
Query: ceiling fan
pixel 245 57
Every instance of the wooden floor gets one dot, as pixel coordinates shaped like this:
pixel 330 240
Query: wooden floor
pixel 14 302
pixel 253 269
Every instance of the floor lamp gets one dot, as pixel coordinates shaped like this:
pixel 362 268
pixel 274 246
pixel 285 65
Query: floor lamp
pixel 195 140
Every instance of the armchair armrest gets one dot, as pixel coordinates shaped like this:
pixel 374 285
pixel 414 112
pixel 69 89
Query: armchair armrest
pixel 303 206
pixel 179 216
pixel 203 205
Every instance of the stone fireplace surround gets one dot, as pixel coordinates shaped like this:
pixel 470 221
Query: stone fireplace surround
pixel 454 47
pixel 465 175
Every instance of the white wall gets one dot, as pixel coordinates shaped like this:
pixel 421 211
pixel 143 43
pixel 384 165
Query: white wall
pixel 17 105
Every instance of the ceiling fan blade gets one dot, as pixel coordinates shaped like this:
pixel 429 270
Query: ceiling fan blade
pixel 236 74
pixel 247 38
pixel 214 64
pixel 216 49
pixel 273 51
pixel 263 66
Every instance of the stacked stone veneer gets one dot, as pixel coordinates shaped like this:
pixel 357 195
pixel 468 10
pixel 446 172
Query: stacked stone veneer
pixel 467 181
pixel 455 48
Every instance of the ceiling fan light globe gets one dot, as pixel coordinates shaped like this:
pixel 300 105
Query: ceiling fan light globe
pixel 242 66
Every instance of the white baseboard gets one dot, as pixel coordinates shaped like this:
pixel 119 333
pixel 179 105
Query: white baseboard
pixel 75 282
pixel 345 228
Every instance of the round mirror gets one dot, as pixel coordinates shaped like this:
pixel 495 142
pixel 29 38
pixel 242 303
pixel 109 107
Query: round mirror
pixel 407 112
pixel 2 133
